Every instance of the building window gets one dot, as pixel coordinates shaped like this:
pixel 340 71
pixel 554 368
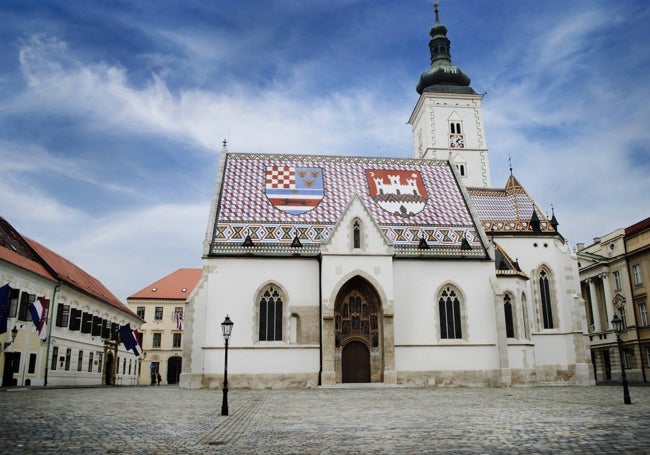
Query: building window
pixel 178 311
pixel 155 343
pixel 140 312
pixel 524 308
pixel 32 364
pixel 68 354
pixel 357 234
pixel 55 358
pixel 621 314
pixel 450 317
pixel 638 279
pixel 545 295
pixel 176 341
pixel 159 313
pixel 62 315
pixel 25 300
pixel 617 280
pixel 510 320
pixel 90 362
pixel 80 360
pixel 627 359
pixel 13 302
pixel 75 319
pixel 644 314
pixel 270 312
pixel 455 128
pixel 100 359
pixel 647 354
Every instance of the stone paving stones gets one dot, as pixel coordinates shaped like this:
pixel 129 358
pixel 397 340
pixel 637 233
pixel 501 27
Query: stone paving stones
pixel 358 420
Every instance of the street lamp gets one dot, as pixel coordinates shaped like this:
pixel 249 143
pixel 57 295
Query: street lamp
pixel 617 323
pixel 226 328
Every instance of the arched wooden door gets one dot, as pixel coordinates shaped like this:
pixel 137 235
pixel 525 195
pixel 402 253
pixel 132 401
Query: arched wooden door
pixel 356 362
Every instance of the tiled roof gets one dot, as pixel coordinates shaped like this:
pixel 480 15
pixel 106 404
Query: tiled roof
pixel 74 276
pixel 15 250
pixel 25 263
pixel 638 227
pixel 504 264
pixel 175 286
pixel 274 198
pixel 508 210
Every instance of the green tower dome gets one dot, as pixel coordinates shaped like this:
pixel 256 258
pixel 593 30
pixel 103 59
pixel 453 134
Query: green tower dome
pixel 442 76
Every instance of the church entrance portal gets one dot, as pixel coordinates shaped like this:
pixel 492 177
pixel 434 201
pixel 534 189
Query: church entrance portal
pixel 357 328
pixel 355 362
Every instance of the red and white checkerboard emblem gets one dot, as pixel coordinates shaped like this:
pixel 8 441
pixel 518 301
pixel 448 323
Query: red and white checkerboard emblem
pixel 293 189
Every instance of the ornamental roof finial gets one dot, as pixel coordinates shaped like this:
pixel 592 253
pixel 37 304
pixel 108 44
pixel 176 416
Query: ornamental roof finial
pixel 435 8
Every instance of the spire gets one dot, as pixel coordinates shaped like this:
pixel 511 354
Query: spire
pixel 442 76
pixel 554 221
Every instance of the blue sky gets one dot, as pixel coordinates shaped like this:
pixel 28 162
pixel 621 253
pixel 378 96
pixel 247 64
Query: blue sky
pixel 112 113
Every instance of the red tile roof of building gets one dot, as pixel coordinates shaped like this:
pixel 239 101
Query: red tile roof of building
pixel 74 276
pixel 638 227
pixel 175 286
pixel 25 263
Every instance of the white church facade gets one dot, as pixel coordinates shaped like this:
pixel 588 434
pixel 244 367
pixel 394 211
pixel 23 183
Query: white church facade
pixel 339 269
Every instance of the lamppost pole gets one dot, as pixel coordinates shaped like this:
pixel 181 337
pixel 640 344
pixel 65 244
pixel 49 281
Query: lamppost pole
pixel 617 323
pixel 226 328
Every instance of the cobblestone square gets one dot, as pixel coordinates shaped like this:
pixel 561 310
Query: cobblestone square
pixel 355 420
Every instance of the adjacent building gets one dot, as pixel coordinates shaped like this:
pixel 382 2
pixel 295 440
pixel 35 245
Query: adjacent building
pixel 338 269
pixel 162 306
pixel 79 343
pixel 614 276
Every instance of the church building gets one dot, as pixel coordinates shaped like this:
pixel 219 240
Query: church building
pixel 414 271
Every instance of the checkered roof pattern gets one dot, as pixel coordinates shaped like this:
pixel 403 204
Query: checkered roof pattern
pixel 244 210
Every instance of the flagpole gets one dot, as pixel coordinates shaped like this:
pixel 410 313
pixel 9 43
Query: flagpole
pixel 49 331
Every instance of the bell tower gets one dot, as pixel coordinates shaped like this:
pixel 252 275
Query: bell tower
pixel 447 121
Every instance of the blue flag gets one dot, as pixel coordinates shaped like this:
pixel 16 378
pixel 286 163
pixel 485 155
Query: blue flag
pixel 4 307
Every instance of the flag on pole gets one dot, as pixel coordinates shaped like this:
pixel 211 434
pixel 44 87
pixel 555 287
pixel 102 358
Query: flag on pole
pixel 179 321
pixel 38 310
pixel 5 291
pixel 130 339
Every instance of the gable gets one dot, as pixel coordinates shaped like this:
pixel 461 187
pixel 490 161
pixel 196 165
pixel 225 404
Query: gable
pixel 275 198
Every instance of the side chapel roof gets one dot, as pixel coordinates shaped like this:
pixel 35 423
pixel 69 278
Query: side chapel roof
pixel 510 210
pixel 289 204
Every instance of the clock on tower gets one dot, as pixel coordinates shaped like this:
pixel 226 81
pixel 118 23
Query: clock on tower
pixel 456 141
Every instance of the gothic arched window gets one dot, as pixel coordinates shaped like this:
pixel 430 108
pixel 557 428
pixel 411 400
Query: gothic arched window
pixel 449 307
pixel 356 227
pixel 545 300
pixel 270 314
pixel 509 316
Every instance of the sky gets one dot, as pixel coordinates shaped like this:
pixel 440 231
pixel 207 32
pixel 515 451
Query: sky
pixel 113 113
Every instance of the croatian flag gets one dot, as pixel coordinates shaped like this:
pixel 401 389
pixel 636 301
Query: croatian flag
pixel 38 310
pixel 130 339
pixel 179 321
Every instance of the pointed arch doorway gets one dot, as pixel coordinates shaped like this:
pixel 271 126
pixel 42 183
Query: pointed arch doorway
pixel 358 333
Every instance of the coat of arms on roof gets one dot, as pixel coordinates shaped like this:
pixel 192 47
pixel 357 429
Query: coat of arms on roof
pixel 399 192
pixel 293 189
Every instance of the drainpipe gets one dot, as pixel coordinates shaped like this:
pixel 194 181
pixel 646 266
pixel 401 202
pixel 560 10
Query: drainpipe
pixel 49 330
pixel 320 316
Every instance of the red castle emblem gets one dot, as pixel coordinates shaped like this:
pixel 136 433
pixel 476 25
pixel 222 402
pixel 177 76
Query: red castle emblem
pixel 401 193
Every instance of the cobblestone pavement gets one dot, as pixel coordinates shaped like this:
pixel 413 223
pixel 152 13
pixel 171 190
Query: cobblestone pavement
pixel 358 420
